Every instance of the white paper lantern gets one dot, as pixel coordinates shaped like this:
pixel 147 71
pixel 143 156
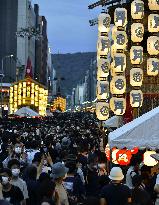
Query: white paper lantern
pixel 148 160
pixel 103 46
pixel 152 66
pixel 118 85
pixel 136 77
pixel 153 45
pixel 113 50
pixel 104 23
pixel 136 54
pixel 153 23
pixel 137 32
pixel 118 105
pixel 120 17
pixel 119 63
pixel 103 68
pixel 114 30
pixel 137 9
pixel 121 40
pixel 153 5
pixel 102 111
pixel 136 98
pixel 102 90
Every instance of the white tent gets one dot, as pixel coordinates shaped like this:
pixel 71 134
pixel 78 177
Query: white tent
pixel 142 132
pixel 112 122
pixel 26 112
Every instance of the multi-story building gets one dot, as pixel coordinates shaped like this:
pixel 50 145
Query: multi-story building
pixel 41 49
pixel 15 16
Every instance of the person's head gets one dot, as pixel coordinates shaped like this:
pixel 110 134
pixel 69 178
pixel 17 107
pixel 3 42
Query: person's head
pixel 59 171
pixel 30 173
pixel 136 180
pixel 6 176
pixel 14 166
pixel 116 175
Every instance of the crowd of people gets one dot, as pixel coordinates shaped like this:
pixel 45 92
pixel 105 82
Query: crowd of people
pixel 58 160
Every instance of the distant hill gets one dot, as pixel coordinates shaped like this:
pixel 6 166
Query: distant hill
pixel 72 67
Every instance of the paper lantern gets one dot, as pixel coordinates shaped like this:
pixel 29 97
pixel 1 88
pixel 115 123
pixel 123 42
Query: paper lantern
pixel 102 90
pixel 118 85
pixel 103 68
pixel 153 45
pixel 107 152
pixel 104 23
pixel 123 157
pixel 103 46
pixel 137 9
pixel 119 63
pixel 121 40
pixel 102 110
pixel 137 32
pixel 136 98
pixel 113 50
pixel 136 77
pixel 120 17
pixel 148 160
pixel 153 23
pixel 114 158
pixel 136 54
pixel 135 150
pixel 153 5
pixel 153 66
pixel 114 30
pixel 118 105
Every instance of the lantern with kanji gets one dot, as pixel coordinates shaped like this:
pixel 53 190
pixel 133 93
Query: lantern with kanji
pixel 136 77
pixel 102 110
pixel 118 105
pixel 152 66
pixel 137 9
pixel 104 22
pixel 136 98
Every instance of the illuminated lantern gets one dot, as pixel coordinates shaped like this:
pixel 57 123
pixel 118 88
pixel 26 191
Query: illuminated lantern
pixel 120 17
pixel 118 85
pixel 119 63
pixel 102 110
pixel 121 40
pixel 103 46
pixel 153 66
pixel 153 5
pixel 137 9
pixel 136 98
pixel 153 45
pixel 135 150
pixel 148 160
pixel 136 77
pixel 104 23
pixel 114 158
pixel 118 105
pixel 107 152
pixel 114 30
pixel 113 50
pixel 103 68
pixel 136 54
pixel 102 90
pixel 123 157
pixel 137 32
pixel 153 23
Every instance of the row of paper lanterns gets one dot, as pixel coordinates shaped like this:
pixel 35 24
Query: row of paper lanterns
pixel 116 53
pixel 123 156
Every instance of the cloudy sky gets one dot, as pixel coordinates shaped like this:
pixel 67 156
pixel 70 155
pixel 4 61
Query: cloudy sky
pixel 68 25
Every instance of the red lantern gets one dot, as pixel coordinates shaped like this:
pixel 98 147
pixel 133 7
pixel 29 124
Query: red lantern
pixel 123 157
pixel 135 150
pixel 107 152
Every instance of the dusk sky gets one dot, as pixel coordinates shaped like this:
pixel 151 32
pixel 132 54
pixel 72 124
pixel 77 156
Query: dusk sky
pixel 68 25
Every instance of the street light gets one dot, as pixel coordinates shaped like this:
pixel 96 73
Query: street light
pixel 1 78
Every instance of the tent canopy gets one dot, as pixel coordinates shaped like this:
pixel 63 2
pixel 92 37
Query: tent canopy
pixel 112 122
pixel 26 112
pixel 142 132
